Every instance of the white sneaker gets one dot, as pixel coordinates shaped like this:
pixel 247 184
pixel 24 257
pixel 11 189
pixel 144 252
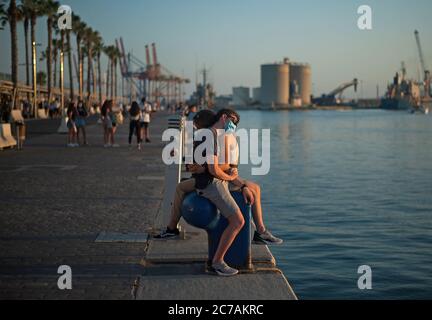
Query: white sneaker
pixel 70 145
pixel 115 146
pixel 107 145
pixel 266 238
pixel 223 270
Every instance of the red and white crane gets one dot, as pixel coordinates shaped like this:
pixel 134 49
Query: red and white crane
pixel 149 79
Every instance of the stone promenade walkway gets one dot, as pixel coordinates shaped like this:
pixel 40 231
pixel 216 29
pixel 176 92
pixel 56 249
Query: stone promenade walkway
pixel 55 201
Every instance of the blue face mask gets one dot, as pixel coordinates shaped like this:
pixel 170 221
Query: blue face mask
pixel 230 127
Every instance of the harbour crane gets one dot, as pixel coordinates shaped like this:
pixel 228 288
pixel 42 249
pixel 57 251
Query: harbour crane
pixel 330 98
pixel 150 79
pixel 425 70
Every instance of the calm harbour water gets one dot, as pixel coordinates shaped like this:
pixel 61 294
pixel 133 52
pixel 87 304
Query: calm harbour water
pixel 347 189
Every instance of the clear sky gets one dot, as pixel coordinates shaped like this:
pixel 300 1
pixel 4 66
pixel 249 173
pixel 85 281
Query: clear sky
pixel 233 37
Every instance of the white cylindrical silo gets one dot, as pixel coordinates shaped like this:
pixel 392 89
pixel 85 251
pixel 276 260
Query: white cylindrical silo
pixel 275 84
pixel 302 75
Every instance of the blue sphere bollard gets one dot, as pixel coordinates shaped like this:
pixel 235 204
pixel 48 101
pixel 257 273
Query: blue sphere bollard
pixel 201 213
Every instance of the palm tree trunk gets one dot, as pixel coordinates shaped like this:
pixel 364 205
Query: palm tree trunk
pixel 94 78
pixel 99 77
pixel 55 66
pixel 115 78
pixel 69 56
pixel 107 80
pixel 112 79
pixel 62 47
pixel 26 27
pixel 33 58
pixel 80 68
pixel 89 66
pixel 49 56
pixel 14 41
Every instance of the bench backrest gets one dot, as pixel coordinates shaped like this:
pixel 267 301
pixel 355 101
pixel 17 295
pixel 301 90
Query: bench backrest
pixel 42 114
pixel 17 116
pixel 5 130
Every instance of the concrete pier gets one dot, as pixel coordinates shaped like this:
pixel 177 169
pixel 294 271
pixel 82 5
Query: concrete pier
pixel 93 209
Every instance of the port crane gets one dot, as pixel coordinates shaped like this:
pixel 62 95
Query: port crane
pixel 149 79
pixel 330 98
pixel 425 70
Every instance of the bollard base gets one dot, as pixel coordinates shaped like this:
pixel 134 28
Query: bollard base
pixel 63 126
pixel 201 213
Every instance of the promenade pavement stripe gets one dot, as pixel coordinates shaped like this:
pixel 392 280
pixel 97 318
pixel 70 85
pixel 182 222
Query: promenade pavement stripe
pixel 122 237
pixel 151 178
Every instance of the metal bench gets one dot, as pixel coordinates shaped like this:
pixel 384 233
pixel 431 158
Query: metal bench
pixel 6 138
pixel 20 128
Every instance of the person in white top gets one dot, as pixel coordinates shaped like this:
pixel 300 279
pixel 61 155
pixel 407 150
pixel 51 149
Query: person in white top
pixel 145 118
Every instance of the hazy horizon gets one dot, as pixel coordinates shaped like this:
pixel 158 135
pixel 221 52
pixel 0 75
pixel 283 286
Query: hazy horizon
pixel 233 38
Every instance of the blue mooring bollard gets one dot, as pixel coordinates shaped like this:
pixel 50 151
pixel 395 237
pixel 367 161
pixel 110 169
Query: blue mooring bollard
pixel 201 213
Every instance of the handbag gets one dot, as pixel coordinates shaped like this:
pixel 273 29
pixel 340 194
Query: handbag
pixel 119 118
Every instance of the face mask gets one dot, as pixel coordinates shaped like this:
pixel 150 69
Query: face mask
pixel 230 127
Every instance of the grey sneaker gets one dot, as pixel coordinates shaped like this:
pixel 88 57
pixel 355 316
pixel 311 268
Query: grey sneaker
pixel 223 270
pixel 168 234
pixel 266 238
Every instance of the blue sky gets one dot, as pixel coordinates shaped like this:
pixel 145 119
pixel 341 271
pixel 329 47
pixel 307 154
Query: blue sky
pixel 233 37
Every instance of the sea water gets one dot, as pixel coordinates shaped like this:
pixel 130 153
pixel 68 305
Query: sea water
pixel 347 189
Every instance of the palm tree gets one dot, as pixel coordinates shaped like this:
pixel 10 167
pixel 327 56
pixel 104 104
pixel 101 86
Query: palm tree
pixel 69 56
pixel 49 8
pixel 90 37
pixel 106 50
pixel 117 56
pixel 35 10
pixel 12 17
pixel 25 15
pixel 110 51
pixel 98 49
pixel 79 27
pixel 55 50
pixel 66 49
pixel 3 16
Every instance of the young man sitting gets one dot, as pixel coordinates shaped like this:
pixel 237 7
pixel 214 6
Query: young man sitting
pixel 215 181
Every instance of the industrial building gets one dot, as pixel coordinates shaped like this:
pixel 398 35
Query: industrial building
pixel 241 96
pixel 256 94
pixel 286 83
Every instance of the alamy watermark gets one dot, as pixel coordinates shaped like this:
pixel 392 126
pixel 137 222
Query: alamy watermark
pixel 64 282
pixel 364 22
pixel 244 149
pixel 365 280
pixel 64 22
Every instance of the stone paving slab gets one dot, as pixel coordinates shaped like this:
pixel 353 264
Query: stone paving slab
pixel 270 286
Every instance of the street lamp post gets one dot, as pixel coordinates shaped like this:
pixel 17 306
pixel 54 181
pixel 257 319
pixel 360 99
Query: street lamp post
pixel 34 81
pixel 62 82
pixel 63 124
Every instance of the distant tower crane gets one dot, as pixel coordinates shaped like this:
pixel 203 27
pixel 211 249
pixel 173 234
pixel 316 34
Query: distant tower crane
pixel 425 70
